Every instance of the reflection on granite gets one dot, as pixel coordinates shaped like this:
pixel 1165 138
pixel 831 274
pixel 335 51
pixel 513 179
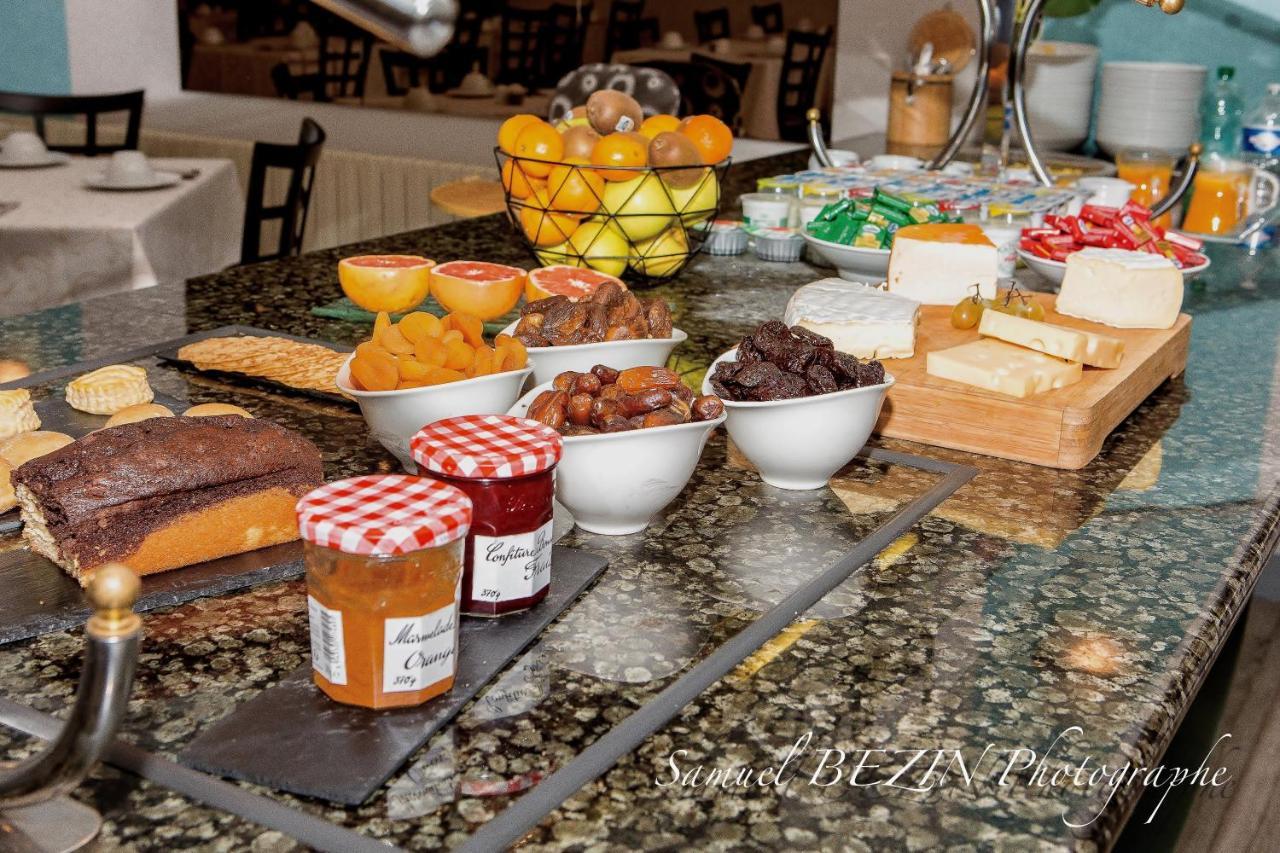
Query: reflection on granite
pixel 1031 601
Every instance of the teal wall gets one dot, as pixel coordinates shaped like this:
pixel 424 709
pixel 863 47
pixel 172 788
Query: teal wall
pixel 1243 33
pixel 33 47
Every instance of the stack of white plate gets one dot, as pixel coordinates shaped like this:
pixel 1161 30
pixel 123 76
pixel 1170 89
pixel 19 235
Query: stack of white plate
pixel 1060 92
pixel 1150 105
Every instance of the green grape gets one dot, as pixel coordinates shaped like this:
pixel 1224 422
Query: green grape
pixel 966 314
pixel 1030 309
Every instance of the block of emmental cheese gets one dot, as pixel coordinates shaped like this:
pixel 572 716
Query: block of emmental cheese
pixel 1071 344
pixel 938 263
pixel 1117 287
pixel 1005 368
pixel 860 320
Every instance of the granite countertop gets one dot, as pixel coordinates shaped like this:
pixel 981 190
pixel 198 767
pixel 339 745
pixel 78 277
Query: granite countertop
pixel 1031 601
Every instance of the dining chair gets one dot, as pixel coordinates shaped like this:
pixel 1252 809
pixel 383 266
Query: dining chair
pixel 801 67
pixel 520 46
pixel 739 71
pixel 626 27
pixel 300 162
pixel 563 37
pixel 652 88
pixel 39 107
pixel 345 51
pixel 768 17
pixel 704 90
pixel 401 71
pixel 712 24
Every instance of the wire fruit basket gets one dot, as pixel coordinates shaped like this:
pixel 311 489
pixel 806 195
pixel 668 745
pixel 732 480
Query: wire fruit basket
pixel 642 223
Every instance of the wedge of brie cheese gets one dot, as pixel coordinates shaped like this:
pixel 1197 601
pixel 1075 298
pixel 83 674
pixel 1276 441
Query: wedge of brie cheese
pixel 861 320
pixel 1122 288
pixel 939 263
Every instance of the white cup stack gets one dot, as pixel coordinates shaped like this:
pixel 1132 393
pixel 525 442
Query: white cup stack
pixel 1060 92
pixel 1150 105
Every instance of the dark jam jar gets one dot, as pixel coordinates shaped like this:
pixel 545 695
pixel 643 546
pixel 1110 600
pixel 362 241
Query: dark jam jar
pixel 506 465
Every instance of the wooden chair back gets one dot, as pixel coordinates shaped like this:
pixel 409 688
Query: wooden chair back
pixel 712 24
pixel 797 90
pixel 768 16
pixel 300 161
pixel 39 107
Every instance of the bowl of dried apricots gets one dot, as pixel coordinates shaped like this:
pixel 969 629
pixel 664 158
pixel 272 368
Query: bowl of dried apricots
pixel 424 368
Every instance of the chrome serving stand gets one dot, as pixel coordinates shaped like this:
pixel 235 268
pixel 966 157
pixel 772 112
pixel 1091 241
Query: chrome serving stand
pixel 35 813
pixel 1016 93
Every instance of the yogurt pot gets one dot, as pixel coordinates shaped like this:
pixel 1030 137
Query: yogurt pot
pixel 1005 235
pixel 725 237
pixel 779 244
pixel 808 209
pixel 765 210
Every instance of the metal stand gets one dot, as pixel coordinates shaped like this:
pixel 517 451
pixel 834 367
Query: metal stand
pixel 34 814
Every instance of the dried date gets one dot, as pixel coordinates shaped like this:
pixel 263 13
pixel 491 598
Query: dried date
pixel 611 313
pixel 608 400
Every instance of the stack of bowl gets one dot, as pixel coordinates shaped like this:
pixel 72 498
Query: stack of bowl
pixel 1150 105
pixel 1060 92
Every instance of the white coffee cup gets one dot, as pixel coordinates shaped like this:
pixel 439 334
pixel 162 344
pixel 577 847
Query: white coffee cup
pixel 672 40
pixel 1109 192
pixel 23 146
pixel 755 32
pixel 129 167
pixel 895 163
pixel 838 156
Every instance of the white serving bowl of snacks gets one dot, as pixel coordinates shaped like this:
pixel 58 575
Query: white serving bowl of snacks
pixel 852 262
pixel 1054 271
pixel 800 443
pixel 550 362
pixel 616 482
pixel 395 416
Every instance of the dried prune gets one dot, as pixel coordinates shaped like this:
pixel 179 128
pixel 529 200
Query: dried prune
pixel 820 380
pixel 779 363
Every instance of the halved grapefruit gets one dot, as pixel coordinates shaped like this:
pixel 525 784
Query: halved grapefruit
pixel 391 283
pixel 478 288
pixel 563 280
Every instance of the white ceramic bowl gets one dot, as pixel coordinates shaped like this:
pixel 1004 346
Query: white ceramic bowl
pixel 798 444
pixel 852 263
pixel 1054 270
pixel 395 416
pixel 550 362
pixel 615 483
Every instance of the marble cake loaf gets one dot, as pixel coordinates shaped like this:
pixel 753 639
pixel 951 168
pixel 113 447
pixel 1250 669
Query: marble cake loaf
pixel 166 492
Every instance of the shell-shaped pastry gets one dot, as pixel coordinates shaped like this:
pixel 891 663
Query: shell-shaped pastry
pixel 16 413
pixel 109 389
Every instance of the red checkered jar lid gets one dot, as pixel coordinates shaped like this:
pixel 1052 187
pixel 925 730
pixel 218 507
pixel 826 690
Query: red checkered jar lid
pixel 486 447
pixel 384 514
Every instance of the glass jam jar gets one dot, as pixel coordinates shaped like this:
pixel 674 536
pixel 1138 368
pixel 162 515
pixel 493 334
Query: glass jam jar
pixel 506 465
pixel 384 576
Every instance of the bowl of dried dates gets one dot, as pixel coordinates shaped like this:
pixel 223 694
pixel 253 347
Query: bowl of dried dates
pixel 798 408
pixel 613 326
pixel 632 439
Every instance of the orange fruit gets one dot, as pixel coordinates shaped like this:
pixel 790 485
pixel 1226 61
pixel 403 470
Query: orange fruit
pixel 539 147
pixel 511 129
pixel 561 280
pixel 392 283
pixel 620 149
pixel 661 123
pixel 711 136
pixel 542 227
pixel 515 181
pixel 574 188
pixel 477 288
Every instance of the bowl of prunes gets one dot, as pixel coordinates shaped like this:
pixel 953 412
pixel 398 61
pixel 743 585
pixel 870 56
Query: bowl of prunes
pixel 798 408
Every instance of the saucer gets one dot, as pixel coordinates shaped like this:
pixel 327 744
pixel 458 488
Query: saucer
pixel 461 93
pixel 50 158
pixel 157 181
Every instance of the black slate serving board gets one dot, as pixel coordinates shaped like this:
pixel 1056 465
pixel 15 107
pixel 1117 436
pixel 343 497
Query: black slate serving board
pixel 57 416
pixel 294 738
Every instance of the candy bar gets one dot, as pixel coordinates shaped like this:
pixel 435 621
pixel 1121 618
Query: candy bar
pixel 1186 241
pixel 1098 214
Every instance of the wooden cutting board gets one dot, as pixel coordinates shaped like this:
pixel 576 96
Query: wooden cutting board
pixel 1063 428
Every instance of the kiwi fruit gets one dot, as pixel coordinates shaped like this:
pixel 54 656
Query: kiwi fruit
pixel 675 149
pixel 579 141
pixel 609 110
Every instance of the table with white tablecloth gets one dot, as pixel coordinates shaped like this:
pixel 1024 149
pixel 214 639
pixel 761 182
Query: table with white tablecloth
pixel 65 242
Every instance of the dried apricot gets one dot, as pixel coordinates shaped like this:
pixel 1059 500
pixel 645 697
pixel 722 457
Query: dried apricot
pixel 430 351
pixel 472 328
pixel 375 371
pixel 412 370
pixel 380 322
pixel 483 364
pixel 450 335
pixel 394 342
pixel 441 375
pixel 459 355
pixel 419 325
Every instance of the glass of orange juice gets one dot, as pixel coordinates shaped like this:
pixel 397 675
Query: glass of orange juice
pixel 1218 197
pixel 1151 173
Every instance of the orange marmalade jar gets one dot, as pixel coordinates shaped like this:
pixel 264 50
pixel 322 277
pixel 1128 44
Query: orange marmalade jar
pixel 506 465
pixel 384 577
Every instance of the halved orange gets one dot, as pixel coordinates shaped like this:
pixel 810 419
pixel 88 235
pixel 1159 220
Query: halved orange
pixel 391 283
pixel 478 288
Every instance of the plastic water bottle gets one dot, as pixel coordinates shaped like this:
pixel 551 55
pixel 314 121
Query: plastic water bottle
pixel 1260 136
pixel 1220 115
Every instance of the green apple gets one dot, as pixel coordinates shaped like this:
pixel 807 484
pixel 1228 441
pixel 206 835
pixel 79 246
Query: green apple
pixel 662 255
pixel 641 207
